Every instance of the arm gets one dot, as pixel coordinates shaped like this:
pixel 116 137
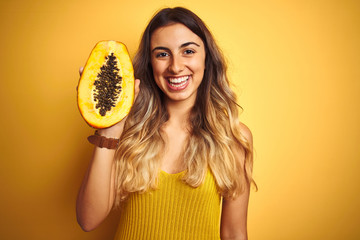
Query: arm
pixel 96 195
pixel 234 212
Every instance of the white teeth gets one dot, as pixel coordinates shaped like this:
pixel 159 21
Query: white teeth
pixel 178 85
pixel 178 80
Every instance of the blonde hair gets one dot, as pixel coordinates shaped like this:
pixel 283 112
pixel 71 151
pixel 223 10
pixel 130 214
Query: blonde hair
pixel 215 128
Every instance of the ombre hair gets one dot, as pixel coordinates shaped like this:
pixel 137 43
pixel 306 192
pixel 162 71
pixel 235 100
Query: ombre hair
pixel 214 125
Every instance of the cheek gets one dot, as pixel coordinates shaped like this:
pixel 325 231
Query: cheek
pixel 156 74
pixel 199 68
pixel 158 68
pixel 198 64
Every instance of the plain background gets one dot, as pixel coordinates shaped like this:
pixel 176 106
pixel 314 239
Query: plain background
pixel 295 66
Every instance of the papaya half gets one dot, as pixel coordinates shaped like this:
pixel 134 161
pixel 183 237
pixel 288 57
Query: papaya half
pixel 106 87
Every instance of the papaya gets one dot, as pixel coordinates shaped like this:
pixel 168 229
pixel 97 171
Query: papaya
pixel 106 86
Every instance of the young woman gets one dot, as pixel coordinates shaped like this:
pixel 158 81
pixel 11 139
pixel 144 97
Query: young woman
pixel 183 165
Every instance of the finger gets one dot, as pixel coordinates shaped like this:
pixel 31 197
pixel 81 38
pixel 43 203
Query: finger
pixel 137 87
pixel 81 69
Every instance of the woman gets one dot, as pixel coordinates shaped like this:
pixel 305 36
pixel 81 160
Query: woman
pixel 183 166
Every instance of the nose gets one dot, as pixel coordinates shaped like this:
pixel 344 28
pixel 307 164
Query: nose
pixel 176 65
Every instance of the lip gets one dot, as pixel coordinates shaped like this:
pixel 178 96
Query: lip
pixel 179 83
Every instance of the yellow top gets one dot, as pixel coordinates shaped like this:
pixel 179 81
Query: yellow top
pixel 174 211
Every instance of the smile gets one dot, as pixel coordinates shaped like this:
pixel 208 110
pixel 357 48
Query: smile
pixel 178 82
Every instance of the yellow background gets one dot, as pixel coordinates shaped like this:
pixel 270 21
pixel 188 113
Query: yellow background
pixel 294 65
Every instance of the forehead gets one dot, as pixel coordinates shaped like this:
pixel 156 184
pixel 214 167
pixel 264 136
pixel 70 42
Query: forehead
pixel 173 35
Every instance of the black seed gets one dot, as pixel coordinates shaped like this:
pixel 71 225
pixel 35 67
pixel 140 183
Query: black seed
pixel 107 85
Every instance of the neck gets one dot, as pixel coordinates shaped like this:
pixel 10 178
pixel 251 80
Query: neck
pixel 179 112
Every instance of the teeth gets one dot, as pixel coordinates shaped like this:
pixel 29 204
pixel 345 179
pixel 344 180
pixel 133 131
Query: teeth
pixel 178 80
pixel 178 85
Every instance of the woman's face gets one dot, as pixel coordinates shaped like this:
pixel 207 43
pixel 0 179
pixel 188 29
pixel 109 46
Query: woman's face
pixel 178 62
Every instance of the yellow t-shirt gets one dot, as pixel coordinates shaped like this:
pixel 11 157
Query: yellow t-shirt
pixel 174 211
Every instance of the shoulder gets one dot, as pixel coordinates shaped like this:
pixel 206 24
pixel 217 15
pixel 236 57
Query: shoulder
pixel 246 144
pixel 246 133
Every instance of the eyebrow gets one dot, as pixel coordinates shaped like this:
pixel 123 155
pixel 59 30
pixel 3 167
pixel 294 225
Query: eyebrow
pixel 182 45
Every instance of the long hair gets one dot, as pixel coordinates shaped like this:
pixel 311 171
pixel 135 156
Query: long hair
pixel 214 123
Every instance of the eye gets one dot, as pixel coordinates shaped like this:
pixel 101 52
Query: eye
pixel 189 51
pixel 161 55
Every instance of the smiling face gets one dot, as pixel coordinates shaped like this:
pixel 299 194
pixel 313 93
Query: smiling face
pixel 178 61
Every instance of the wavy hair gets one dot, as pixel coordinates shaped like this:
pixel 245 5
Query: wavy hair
pixel 215 127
